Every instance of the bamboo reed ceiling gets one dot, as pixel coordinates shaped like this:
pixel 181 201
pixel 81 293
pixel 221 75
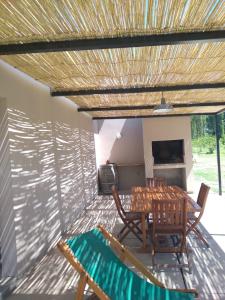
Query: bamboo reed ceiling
pixel 161 65
pixel 150 113
pixel 30 20
pixel 176 97
pixel 26 21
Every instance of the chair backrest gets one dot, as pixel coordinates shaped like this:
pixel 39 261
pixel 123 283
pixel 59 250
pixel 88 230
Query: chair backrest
pixel 117 200
pixel 171 213
pixel 202 195
pixel 155 181
pixel 169 217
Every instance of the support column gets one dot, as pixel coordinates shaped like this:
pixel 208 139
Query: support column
pixel 218 153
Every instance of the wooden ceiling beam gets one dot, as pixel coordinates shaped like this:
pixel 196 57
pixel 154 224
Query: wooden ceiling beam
pixel 221 111
pixel 151 116
pixel 113 42
pixel 132 90
pixel 142 107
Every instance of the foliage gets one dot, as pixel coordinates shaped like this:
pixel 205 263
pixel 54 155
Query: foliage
pixel 204 149
pixel 204 132
pixel 222 140
pixel 205 124
pixel 205 169
pixel 205 144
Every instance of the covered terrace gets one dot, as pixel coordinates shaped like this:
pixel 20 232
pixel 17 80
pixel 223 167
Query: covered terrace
pixel 70 71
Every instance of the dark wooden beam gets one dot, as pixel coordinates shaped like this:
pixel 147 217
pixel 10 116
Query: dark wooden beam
pixel 132 90
pixel 142 107
pixel 151 116
pixel 221 111
pixel 113 42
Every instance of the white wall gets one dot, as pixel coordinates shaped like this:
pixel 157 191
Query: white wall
pixel 7 215
pixel 171 128
pixel 49 156
pixel 126 150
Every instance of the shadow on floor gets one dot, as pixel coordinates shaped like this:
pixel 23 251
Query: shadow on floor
pixel 53 278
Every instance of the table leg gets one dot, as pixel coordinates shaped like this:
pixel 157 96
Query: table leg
pixel 143 226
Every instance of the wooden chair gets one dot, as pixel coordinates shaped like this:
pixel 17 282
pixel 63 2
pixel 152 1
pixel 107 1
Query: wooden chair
pixel 155 181
pixel 193 220
pixel 131 220
pixel 100 261
pixel 169 223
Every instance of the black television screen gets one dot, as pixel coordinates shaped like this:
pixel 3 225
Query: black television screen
pixel 167 152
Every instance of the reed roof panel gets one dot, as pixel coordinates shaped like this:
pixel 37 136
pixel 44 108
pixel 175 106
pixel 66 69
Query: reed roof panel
pixel 43 20
pixel 175 97
pixel 150 113
pixel 27 21
pixel 115 68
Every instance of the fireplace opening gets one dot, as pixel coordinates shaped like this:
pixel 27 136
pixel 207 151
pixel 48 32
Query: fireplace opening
pixel 168 152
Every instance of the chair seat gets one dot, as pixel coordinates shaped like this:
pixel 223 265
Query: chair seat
pixel 115 278
pixel 133 215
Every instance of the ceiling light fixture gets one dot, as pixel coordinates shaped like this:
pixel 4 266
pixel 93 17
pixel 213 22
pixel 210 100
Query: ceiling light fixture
pixel 163 107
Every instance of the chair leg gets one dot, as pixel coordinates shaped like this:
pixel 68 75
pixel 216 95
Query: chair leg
pixel 126 233
pixel 181 250
pixel 153 250
pixel 125 230
pixel 153 257
pixel 183 243
pixel 135 227
pixel 122 230
pixel 189 261
pixel 193 227
pixel 184 249
pixel 123 233
pixel 200 236
pixel 130 228
pixel 81 287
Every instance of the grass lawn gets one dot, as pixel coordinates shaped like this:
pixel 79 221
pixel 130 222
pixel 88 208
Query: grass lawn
pixel 205 169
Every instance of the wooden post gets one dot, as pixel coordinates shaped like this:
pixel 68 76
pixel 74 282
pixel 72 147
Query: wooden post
pixel 218 153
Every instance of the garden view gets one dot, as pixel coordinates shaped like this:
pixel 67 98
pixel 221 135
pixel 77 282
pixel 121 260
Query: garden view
pixel 204 150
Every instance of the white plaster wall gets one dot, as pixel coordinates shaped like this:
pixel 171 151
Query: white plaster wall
pixel 88 157
pixel 48 184
pixel 171 128
pixel 7 215
pixel 126 150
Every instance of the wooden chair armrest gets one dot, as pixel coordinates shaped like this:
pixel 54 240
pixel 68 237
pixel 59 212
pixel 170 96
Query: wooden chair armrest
pixel 193 291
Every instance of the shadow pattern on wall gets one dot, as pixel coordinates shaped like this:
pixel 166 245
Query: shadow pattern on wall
pixel 35 200
pixel 69 166
pixel 49 176
pixel 7 238
pixel 89 164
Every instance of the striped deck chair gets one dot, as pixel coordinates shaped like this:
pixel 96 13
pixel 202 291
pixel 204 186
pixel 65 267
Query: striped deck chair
pixel 104 271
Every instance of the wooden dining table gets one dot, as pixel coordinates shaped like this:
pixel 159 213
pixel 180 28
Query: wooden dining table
pixel 141 201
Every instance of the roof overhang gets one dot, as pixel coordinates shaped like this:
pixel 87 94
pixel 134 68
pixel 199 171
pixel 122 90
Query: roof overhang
pixel 116 64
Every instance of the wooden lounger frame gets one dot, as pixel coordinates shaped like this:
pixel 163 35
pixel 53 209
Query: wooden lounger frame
pixel 123 253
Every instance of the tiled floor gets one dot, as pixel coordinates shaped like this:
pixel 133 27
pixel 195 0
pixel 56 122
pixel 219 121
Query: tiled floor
pixel 52 278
